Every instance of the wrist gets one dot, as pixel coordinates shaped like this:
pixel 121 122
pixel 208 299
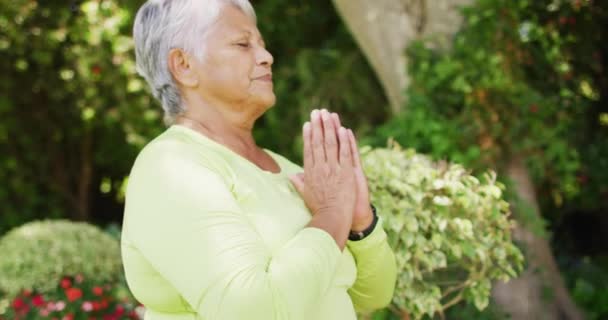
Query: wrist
pixel 363 223
pixel 360 234
pixel 336 211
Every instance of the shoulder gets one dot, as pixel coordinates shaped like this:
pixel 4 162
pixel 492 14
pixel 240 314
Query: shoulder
pixel 173 156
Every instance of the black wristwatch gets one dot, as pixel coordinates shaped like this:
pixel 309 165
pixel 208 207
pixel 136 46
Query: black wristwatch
pixel 356 236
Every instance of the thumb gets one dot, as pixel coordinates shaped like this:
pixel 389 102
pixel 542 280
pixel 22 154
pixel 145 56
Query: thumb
pixel 298 181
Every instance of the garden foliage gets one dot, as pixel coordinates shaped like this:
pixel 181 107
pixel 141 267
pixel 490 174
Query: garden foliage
pixel 38 254
pixel 451 232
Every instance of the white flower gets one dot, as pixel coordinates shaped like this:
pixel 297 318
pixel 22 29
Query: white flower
pixel 140 310
pixel 442 201
pixel 438 184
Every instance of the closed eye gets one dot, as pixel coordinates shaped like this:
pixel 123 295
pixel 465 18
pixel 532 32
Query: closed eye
pixel 243 44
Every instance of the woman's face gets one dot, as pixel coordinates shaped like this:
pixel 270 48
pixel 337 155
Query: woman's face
pixel 236 67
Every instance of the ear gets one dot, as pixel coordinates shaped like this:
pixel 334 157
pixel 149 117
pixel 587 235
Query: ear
pixel 181 65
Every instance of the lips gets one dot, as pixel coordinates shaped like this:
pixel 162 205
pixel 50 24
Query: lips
pixel 267 77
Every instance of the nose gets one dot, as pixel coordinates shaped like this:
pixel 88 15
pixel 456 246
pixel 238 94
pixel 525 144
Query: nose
pixel 264 57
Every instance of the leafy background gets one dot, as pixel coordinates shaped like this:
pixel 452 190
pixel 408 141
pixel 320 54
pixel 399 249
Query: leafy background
pixel 523 77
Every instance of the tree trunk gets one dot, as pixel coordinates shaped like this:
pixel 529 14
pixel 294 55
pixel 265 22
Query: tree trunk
pixel 383 29
pixel 526 297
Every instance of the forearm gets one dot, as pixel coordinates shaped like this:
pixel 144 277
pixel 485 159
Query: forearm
pixel 333 223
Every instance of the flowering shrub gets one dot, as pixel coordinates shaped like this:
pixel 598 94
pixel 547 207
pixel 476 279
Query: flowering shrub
pixel 450 231
pixel 37 254
pixel 73 298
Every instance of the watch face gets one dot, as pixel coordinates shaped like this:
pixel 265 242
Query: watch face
pixel 356 236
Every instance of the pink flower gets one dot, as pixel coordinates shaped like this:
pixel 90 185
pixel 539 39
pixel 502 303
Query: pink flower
pixel 79 278
pixel 44 312
pixel 60 305
pixel 87 306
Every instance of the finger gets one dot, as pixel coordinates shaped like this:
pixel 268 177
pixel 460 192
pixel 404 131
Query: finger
pixel 345 149
pixel 354 149
pixel 307 136
pixel 331 140
pixel 318 149
pixel 336 120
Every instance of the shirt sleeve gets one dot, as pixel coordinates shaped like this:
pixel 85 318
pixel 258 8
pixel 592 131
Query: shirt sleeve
pixel 376 271
pixel 192 231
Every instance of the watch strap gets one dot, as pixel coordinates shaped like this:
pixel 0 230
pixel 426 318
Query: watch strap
pixel 360 235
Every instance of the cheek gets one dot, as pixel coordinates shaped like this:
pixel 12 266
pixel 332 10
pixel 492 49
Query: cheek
pixel 237 71
pixel 225 78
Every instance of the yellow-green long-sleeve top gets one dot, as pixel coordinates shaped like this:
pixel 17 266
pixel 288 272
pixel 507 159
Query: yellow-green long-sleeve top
pixel 209 235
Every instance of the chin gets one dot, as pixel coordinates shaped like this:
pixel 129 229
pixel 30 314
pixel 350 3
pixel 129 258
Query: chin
pixel 267 100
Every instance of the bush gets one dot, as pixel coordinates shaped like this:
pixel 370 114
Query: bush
pixel 450 231
pixel 38 254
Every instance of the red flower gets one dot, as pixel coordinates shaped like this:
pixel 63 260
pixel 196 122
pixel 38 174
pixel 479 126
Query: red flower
pixel 96 70
pixel 66 283
pixel 26 293
pixel 18 304
pixel 73 294
pixel 582 179
pixel 534 108
pixel 120 310
pixel 38 301
pixel 68 316
pixel 98 291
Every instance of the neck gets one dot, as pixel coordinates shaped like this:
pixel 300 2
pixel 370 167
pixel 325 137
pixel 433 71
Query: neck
pixel 221 129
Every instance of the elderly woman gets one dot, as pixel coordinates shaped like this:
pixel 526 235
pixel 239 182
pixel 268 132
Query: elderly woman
pixel 218 228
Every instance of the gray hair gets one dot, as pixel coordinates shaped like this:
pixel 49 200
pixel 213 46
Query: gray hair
pixel 161 25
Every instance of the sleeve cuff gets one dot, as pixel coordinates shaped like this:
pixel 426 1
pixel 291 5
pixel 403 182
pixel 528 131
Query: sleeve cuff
pixel 373 240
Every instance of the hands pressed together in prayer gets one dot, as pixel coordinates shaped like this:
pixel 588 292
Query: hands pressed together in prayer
pixel 333 184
